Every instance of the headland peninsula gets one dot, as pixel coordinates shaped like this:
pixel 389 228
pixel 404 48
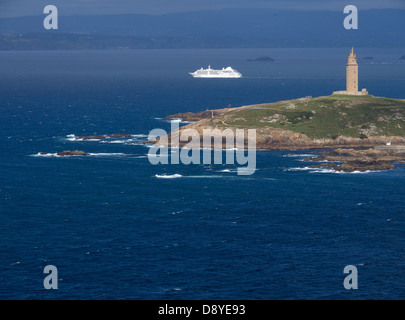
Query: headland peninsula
pixel 337 122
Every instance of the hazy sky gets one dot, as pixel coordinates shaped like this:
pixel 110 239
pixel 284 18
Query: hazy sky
pixel 10 8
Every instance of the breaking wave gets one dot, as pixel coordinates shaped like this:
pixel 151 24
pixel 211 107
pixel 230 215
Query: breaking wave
pixel 55 155
pixel 299 155
pixel 109 139
pixel 165 176
pixel 329 170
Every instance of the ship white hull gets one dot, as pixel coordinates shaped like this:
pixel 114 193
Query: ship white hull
pixel 228 73
pixel 216 76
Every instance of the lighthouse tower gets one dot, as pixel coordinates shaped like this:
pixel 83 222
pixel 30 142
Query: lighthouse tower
pixel 352 77
pixel 352 73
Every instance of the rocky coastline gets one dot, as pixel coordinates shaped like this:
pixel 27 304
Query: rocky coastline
pixel 359 160
pixel 357 129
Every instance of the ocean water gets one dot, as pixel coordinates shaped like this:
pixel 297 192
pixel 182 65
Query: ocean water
pixel 118 227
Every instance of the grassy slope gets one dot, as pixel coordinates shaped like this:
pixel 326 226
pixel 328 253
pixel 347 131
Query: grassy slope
pixel 324 117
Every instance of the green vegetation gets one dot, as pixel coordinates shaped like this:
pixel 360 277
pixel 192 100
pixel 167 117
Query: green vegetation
pixel 324 117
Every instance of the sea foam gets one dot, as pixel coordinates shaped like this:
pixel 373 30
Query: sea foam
pixel 165 176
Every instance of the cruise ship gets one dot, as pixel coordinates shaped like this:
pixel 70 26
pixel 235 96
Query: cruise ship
pixel 211 73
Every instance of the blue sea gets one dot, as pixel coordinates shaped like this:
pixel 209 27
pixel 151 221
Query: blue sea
pixel 118 227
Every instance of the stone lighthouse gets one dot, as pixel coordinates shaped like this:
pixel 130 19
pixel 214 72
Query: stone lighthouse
pixel 352 77
pixel 352 73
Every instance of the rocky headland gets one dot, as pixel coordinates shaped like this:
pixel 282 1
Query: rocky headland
pixel 357 127
pixel 344 123
pixel 310 123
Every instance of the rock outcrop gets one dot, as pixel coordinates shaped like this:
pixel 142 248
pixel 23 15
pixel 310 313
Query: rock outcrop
pixel 359 160
pixel 104 136
pixel 261 59
pixel 72 153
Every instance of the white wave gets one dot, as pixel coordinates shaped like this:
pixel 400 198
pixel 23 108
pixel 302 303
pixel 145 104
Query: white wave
pixel 114 141
pixel 303 160
pixel 55 155
pixel 329 170
pixel 179 120
pixel 89 140
pixel 164 176
pixel 299 155
pixel 325 170
pixel 118 141
pixel 300 169
pixel 106 154
pixel 343 172
pixel 45 155
pixel 359 172
pixel 71 137
pixel 176 176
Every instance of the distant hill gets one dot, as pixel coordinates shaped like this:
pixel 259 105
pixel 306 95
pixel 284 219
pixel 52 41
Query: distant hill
pixel 228 28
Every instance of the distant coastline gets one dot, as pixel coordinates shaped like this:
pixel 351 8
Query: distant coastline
pixel 203 30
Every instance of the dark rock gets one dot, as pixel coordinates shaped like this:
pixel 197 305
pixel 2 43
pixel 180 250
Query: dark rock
pixel 261 59
pixel 72 153
pixel 120 135
pixel 359 160
pixel 402 58
pixel 104 136
pixel 323 165
pixel 91 138
pixel 363 166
